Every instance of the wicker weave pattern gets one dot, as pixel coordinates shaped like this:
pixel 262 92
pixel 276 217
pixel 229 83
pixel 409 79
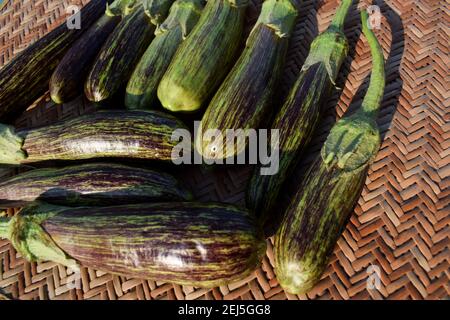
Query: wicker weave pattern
pixel 401 225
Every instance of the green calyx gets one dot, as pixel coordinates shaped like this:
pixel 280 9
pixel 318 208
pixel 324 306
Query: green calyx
pixel 122 7
pixel 183 14
pixel 355 140
pixel 352 143
pixel 30 240
pixel 11 152
pixel 157 10
pixel 279 15
pixel 331 47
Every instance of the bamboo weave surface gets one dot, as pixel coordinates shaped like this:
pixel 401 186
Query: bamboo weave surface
pixel 401 225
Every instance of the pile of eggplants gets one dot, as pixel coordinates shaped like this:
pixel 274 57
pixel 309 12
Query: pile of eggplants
pixel 83 205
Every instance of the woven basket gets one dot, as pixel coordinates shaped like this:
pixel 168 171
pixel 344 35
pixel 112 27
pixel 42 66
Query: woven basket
pixel 400 230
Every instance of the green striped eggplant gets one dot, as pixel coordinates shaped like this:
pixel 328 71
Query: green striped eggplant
pixel 26 77
pixel 118 56
pixel 243 101
pixel 301 112
pixel 198 244
pixel 143 84
pixel 205 57
pixel 326 197
pixel 67 80
pixel 97 184
pixel 157 10
pixel 105 134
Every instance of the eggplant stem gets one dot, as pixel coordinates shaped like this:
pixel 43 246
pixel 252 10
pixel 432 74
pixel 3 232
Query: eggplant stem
pixel 372 101
pixel 339 18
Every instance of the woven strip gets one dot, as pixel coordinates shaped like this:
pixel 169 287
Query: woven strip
pixel 400 230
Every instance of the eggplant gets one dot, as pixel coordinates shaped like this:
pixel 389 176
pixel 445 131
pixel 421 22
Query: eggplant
pixel 26 77
pixel 105 134
pixel 320 209
pixel 300 115
pixel 96 184
pixel 197 244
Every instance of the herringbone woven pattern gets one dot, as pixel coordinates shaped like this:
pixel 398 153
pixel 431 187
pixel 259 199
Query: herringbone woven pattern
pixel 401 226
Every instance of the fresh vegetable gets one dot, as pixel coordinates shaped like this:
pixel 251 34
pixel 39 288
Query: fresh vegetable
pixel 244 98
pixel 97 184
pixel 142 87
pixel 325 199
pixel 198 244
pixel 205 57
pixel 105 134
pixel 157 10
pixel 119 55
pixel 26 77
pixel 67 81
pixel 301 113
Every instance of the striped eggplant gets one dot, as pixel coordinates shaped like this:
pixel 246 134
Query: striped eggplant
pixel 105 134
pixel 67 81
pixel 97 184
pixel 326 197
pixel 26 77
pixel 119 56
pixel 301 112
pixel 142 87
pixel 197 244
pixel 243 100
pixel 157 10
pixel 205 57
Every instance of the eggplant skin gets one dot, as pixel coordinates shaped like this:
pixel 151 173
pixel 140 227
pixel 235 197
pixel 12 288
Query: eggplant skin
pixel 243 100
pixel 143 84
pixel 98 184
pixel 314 221
pixel 67 81
pixel 203 60
pixel 198 244
pixel 296 122
pixel 104 134
pixel 26 77
pixel 119 56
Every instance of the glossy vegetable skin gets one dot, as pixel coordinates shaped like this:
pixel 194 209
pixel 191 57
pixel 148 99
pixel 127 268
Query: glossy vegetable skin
pixel 96 184
pixel 67 81
pixel 243 101
pixel 143 85
pixel 106 134
pixel 326 197
pixel 300 114
pixel 205 57
pixel 26 77
pixel 118 56
pixel 198 244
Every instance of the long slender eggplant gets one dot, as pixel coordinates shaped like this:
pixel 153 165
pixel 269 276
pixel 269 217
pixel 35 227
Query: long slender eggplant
pixel 105 134
pixel 205 57
pixel 198 244
pixel 118 56
pixel 67 80
pixel 26 77
pixel 244 98
pixel 143 84
pixel 301 113
pixel 326 197
pixel 157 10
pixel 97 184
